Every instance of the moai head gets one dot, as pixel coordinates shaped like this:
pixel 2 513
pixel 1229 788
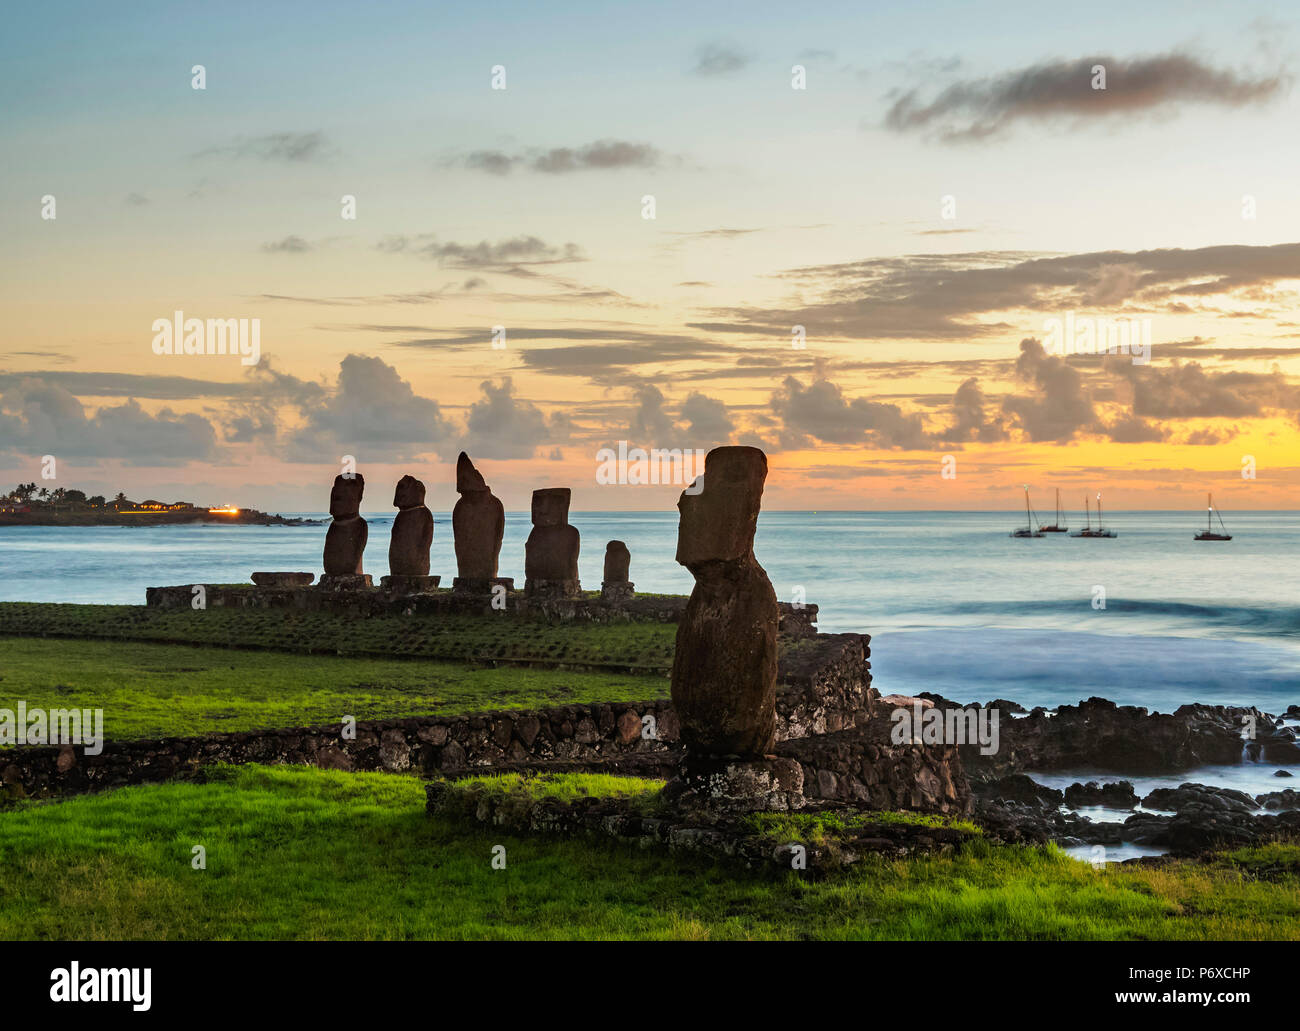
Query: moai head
pixel 345 498
pixel 467 477
pixel 718 524
pixel 409 493
pixel 617 561
pixel 551 506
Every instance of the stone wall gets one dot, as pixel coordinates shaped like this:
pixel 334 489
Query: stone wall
pixel 589 608
pixel 828 685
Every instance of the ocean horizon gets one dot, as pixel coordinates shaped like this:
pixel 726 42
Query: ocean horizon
pixel 953 603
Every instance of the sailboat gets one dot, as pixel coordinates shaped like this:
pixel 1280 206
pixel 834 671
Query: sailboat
pixel 1208 534
pixel 1058 526
pixel 1028 529
pixel 1089 530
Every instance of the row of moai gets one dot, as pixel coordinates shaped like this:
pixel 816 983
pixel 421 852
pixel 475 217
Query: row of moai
pixel 478 526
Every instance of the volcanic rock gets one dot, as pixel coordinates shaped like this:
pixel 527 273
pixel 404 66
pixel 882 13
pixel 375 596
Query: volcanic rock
pixel 478 523
pixel 408 548
pixel 724 668
pixel 345 541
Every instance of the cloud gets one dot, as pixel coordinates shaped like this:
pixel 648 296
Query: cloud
pixel 821 412
pixel 971 421
pixel 45 418
pixel 1061 407
pixel 650 422
pixel 714 59
pixel 708 422
pixel 602 155
pixel 288 147
pixel 1188 391
pixel 371 413
pixel 502 426
pixel 135 200
pixel 288 245
pixel 967 295
pixel 517 250
pixel 978 109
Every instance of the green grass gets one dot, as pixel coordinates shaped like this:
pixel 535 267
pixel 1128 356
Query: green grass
pixel 301 853
pixel 483 639
pixel 153 690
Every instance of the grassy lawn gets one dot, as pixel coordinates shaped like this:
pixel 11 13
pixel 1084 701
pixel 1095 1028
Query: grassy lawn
pixel 302 853
pixel 631 647
pixel 152 690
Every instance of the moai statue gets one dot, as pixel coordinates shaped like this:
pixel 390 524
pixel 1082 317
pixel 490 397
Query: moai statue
pixel 408 548
pixel 551 551
pixel 615 587
pixel 724 669
pixel 478 523
pixel 345 541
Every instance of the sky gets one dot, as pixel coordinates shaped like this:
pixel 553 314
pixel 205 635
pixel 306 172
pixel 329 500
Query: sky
pixel 867 220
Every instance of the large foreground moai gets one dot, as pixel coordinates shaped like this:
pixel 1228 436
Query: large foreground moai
pixel 345 541
pixel 551 551
pixel 724 670
pixel 478 523
pixel 408 547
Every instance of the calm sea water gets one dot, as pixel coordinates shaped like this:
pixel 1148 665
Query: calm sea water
pixel 953 603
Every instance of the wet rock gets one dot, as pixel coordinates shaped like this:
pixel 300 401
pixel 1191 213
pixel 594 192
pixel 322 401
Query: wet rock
pixel 408 547
pixel 1119 795
pixel 345 541
pixel 724 666
pixel 1019 788
pixel 1288 799
pixel 1200 798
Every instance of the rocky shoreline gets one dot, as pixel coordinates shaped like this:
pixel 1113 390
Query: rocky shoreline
pixel 1098 735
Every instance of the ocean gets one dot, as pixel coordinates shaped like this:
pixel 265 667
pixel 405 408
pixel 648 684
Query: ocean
pixel 954 605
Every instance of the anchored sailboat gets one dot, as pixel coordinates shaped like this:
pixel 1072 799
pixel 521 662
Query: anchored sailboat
pixel 1058 526
pixel 1208 534
pixel 1028 529
pixel 1089 530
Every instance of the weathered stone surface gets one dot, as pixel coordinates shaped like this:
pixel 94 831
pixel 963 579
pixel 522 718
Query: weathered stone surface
pixel 710 788
pixel 408 548
pixel 724 667
pixel 478 523
pixel 617 561
pixel 283 579
pixel 345 583
pixel 551 551
pixel 404 586
pixel 345 541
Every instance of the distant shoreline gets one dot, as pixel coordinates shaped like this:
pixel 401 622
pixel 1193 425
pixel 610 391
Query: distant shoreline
pixel 249 518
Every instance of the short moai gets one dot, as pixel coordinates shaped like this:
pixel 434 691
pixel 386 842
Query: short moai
pixel 551 551
pixel 408 547
pixel 615 587
pixel 345 541
pixel 478 523
pixel 725 663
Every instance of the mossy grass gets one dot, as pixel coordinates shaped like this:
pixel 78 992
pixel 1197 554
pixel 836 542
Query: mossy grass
pixel 504 639
pixel 293 852
pixel 159 690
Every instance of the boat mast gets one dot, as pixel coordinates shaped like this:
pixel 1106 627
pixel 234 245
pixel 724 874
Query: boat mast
pixel 1029 518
